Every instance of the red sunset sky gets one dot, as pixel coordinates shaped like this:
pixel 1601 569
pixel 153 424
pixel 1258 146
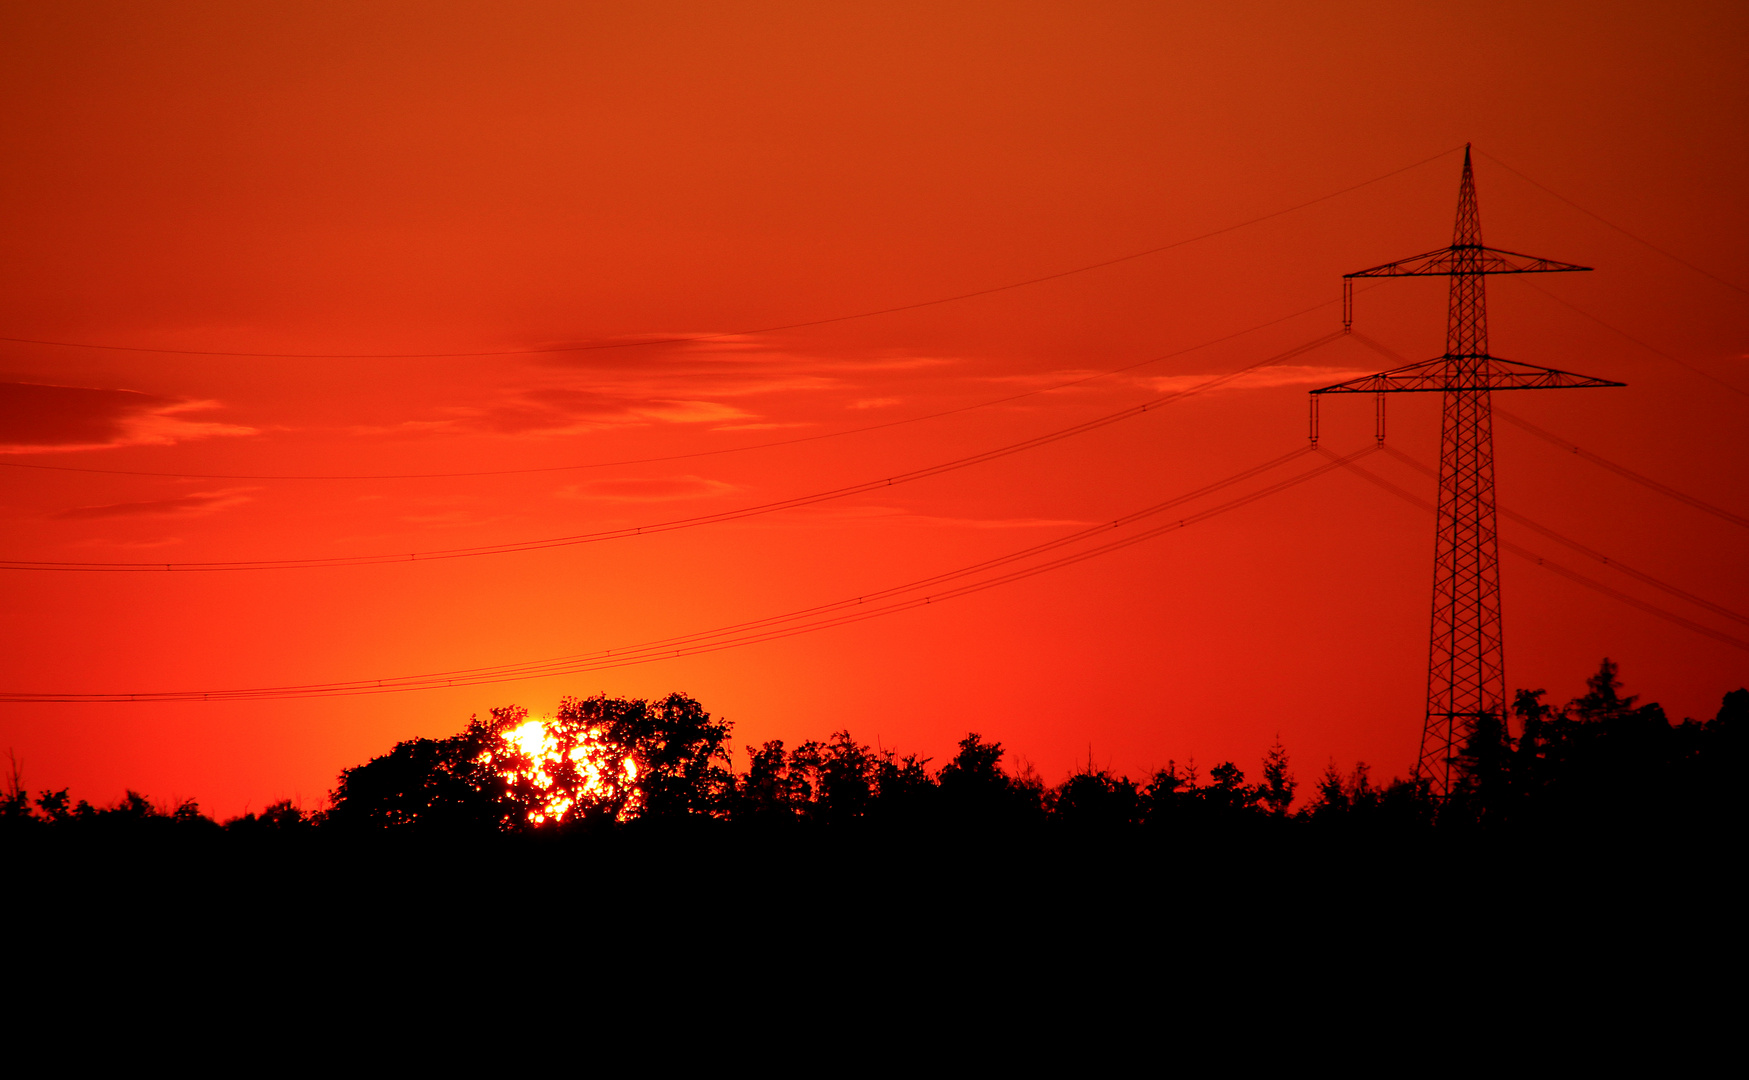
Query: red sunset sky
pixel 516 179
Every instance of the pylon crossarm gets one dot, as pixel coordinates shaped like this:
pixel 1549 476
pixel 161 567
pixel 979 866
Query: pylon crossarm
pixel 1426 375
pixel 1513 375
pixel 1467 259
pixel 1464 373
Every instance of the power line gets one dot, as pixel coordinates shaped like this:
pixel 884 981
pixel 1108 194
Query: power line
pixel 664 648
pixel 764 329
pixel 1631 236
pixel 1011 557
pixel 694 454
pixel 1656 583
pixel 681 523
pixel 1595 459
pixel 1570 574
pixel 1624 471
pixel 1649 348
pixel 774 628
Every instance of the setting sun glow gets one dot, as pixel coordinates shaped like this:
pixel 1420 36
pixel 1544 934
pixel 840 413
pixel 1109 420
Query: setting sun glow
pixel 563 768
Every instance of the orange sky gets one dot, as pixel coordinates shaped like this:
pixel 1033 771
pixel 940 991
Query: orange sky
pixel 481 177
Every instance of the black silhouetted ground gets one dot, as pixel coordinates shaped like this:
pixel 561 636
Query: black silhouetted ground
pixel 1585 868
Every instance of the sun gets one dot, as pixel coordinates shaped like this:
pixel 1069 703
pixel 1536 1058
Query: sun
pixel 567 767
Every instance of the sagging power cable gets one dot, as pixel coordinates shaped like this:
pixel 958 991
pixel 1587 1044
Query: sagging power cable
pixel 1554 567
pixel 1596 459
pixel 1622 470
pixel 1589 552
pixel 1653 349
pixel 809 620
pixel 1673 257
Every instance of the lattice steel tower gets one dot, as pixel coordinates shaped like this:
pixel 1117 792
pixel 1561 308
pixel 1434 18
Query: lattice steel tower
pixel 1466 675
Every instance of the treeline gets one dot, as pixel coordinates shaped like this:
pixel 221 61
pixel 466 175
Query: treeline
pixel 610 765
pixel 1603 758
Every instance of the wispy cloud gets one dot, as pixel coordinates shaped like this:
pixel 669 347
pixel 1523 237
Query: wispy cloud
pixel 1260 379
pixel 837 516
pixel 110 542
pixel 38 418
pixel 764 425
pixel 559 410
pixel 444 517
pixel 699 380
pixel 548 410
pixel 652 489
pixel 202 502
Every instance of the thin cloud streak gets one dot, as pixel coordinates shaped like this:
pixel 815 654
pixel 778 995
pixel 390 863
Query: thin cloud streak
pixel 647 489
pixel 1260 379
pixel 42 418
pixel 198 503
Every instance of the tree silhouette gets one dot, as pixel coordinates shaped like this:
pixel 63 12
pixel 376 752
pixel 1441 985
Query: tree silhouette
pixel 279 818
pixel 1227 795
pixel 975 790
pixel 1483 791
pixel 1534 716
pixel 1603 758
pixel 1094 799
pixel 846 789
pixel 905 792
pixel 835 782
pixel 767 794
pixel 1277 791
pixel 15 804
pixel 1343 796
pixel 1169 795
pixel 441 785
pixel 1354 803
pixel 673 746
pixel 55 807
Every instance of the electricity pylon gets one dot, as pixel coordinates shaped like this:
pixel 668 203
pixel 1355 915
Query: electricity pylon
pixel 1466 674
